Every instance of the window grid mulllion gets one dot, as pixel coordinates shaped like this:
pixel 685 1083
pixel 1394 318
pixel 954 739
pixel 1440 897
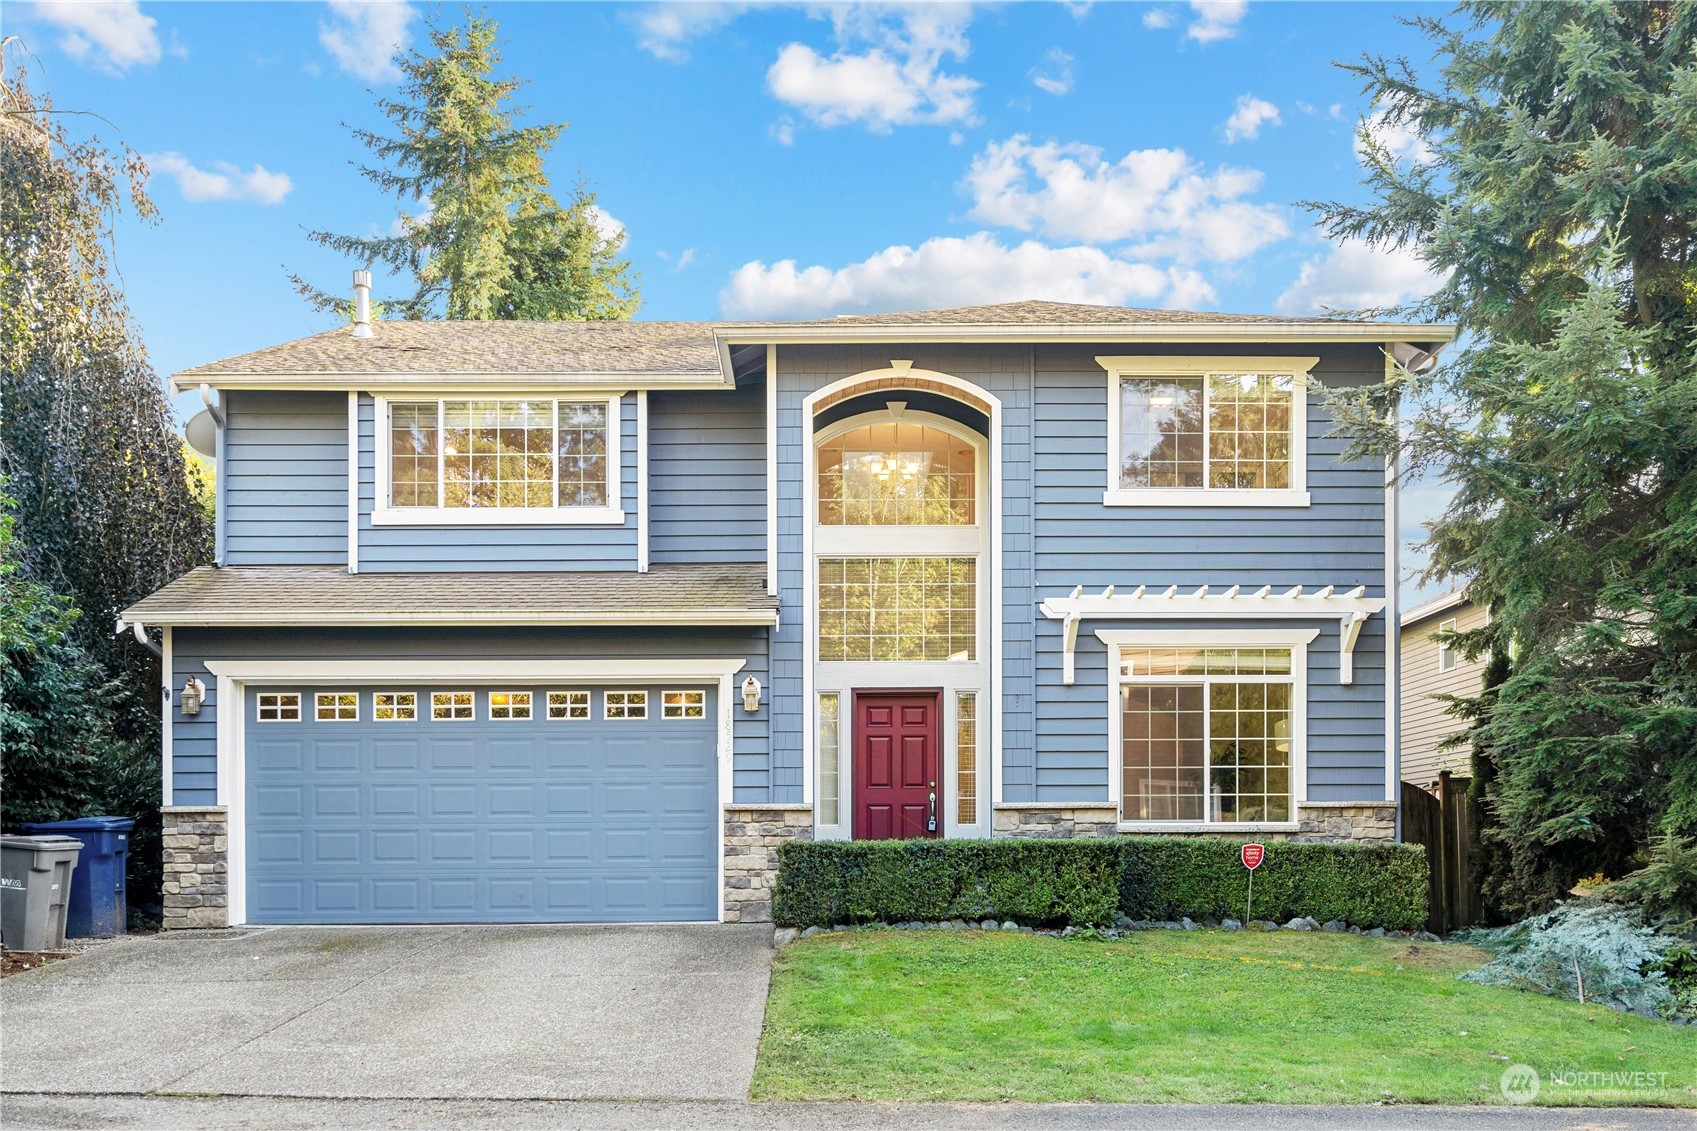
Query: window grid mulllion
pixel 510 706
pixel 1210 683
pixel 568 706
pixel 453 706
pixel 683 704
pixel 966 757
pixel 419 436
pixel 626 705
pixel 897 608
pixel 394 706
pixel 278 707
pixel 335 706
pixel 1213 450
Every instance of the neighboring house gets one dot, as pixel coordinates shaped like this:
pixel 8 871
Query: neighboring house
pixel 1432 668
pixel 579 621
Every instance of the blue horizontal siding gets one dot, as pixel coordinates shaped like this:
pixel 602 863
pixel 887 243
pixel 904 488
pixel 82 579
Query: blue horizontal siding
pixel 285 469
pixel 707 475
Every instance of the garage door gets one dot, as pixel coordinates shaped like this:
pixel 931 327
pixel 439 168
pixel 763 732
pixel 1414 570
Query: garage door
pixel 478 804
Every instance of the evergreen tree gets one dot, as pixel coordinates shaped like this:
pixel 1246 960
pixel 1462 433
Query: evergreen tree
pixel 490 241
pixel 103 499
pixel 1558 190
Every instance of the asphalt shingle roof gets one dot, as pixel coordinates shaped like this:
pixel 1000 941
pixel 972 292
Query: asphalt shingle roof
pixel 1036 313
pixel 330 595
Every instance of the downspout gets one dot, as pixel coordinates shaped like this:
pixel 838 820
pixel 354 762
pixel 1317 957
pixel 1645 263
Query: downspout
pixel 140 631
pixel 218 442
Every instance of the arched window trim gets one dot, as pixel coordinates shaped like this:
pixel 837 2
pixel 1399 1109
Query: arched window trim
pixel 954 428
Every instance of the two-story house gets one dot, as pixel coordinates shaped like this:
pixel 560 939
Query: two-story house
pixel 578 621
pixel 1433 666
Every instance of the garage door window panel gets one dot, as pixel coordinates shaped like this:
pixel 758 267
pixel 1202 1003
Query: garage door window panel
pixel 453 706
pixel 626 705
pixel 336 706
pixel 279 707
pixel 683 704
pixel 568 706
pixel 509 706
pixel 395 706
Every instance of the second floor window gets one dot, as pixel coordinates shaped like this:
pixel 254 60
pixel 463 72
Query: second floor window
pixel 897 473
pixel 504 454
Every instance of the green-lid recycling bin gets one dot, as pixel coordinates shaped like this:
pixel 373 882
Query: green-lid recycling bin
pixel 35 890
pixel 98 906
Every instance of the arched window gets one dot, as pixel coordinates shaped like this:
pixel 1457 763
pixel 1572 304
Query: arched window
pixel 895 472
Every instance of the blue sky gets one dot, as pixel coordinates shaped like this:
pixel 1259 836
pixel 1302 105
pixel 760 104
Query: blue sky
pixel 771 160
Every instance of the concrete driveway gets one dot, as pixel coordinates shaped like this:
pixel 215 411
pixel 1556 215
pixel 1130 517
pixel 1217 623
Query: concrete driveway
pixel 554 1012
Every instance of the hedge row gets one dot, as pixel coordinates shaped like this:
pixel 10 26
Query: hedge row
pixel 1035 882
pixel 1085 883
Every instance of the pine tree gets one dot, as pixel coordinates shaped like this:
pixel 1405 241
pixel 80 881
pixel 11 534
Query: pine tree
pixel 484 237
pixel 1559 193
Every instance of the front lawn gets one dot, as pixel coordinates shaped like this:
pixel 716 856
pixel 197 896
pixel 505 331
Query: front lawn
pixel 1204 1016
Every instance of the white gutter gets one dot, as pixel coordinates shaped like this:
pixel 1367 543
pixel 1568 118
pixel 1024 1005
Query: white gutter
pixel 427 383
pixel 140 631
pixel 243 618
pixel 1375 332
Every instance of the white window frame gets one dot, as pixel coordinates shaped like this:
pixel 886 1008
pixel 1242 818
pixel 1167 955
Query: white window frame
pixel 1296 495
pixel 635 697
pixel 335 708
pixel 570 701
pixel 1296 640
pixel 1448 659
pixel 516 701
pixel 683 705
pixel 394 705
pixel 452 706
pixel 260 706
pixel 385 513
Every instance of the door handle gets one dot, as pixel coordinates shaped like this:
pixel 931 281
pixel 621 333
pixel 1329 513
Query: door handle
pixel 931 814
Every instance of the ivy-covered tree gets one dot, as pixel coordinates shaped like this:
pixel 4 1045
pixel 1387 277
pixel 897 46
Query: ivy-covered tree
pixel 481 235
pixel 1556 188
pixel 104 506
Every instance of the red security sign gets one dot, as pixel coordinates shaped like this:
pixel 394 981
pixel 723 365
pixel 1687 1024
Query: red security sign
pixel 1252 855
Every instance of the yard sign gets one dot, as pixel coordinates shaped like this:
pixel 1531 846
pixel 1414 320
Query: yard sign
pixel 1251 855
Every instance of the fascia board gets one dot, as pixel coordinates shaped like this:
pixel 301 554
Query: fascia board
pixel 451 382
pixel 1379 332
pixel 198 618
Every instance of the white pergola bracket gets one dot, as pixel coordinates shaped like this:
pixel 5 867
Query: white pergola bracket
pixel 1351 609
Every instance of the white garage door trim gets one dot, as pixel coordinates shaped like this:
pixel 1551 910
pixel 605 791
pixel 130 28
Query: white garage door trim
pixel 235 675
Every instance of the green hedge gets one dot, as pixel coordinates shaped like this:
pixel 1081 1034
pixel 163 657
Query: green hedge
pixel 1037 882
pixel 1369 885
pixel 1032 882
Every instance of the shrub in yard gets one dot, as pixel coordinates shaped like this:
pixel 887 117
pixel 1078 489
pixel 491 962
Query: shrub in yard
pixel 1586 950
pixel 1032 882
pixel 1370 885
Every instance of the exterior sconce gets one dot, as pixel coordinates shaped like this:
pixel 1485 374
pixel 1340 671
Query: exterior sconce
pixel 194 694
pixel 751 695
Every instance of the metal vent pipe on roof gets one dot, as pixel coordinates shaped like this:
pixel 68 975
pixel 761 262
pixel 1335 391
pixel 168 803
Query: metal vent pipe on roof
pixel 362 304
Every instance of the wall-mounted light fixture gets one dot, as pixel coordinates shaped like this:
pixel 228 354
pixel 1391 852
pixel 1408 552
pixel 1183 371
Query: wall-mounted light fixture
pixel 194 694
pixel 751 695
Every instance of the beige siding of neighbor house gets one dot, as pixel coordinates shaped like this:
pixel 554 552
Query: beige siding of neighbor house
pixel 1424 723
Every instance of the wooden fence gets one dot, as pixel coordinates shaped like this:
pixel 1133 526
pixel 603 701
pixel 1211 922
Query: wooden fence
pixel 1443 822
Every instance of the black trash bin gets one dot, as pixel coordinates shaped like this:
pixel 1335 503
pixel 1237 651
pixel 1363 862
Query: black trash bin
pixel 99 905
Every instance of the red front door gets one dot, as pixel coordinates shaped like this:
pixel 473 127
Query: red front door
pixel 897 759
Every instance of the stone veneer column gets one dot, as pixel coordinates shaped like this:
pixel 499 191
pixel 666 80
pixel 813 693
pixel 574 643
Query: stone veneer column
pixel 1369 822
pixel 753 834
pixel 196 856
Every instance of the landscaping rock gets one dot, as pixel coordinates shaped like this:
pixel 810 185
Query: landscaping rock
pixel 1427 936
pixel 1122 922
pixel 1335 927
pixel 1210 922
pixel 988 924
pixel 1263 925
pixel 1375 933
pixel 1231 925
pixel 1010 925
pixel 959 924
pixel 784 936
pixel 1354 930
pixel 811 931
pixel 1187 923
pixel 1396 934
pixel 1169 925
pixel 1298 925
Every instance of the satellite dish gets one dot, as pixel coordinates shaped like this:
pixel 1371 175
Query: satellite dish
pixel 202 434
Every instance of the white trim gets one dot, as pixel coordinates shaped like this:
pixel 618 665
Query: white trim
pixel 469 617
pixel 989 662
pixel 382 514
pixel 1297 640
pixel 1352 610
pixel 167 681
pixel 771 471
pixel 433 384
pixel 727 763
pixel 516 672
pixel 1296 495
pixel 232 791
pixel 220 481
pixel 1207 333
pixel 1447 650
pixel 641 481
pixel 353 481
pixel 1392 626
pixel 1433 607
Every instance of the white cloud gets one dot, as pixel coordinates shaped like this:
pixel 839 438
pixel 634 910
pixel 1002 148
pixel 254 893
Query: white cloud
pixel 113 36
pixel 664 30
pixel 1307 107
pixel 363 37
pixel 1054 74
pixel 685 258
pixel 1401 139
pixel 950 271
pixel 897 81
pixel 1216 19
pixel 1354 276
pixel 1159 197
pixel 1251 114
pixel 258 184
pixel 606 226
pixel 1157 18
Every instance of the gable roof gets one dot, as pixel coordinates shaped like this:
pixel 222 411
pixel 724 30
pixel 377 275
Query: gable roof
pixel 698 354
pixel 330 595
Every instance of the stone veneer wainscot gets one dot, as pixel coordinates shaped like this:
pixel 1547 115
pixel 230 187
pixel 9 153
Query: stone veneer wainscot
pixel 1318 822
pixel 196 859
pixel 753 835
